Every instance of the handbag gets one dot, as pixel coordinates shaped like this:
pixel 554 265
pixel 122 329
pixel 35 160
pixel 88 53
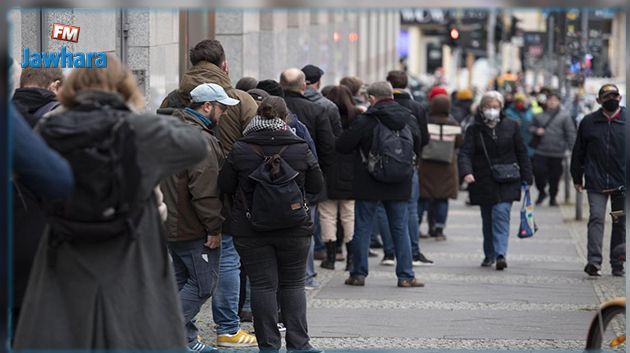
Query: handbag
pixel 502 173
pixel 439 150
pixel 535 141
pixel 528 226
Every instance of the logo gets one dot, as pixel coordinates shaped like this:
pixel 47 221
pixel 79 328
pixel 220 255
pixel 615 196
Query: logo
pixel 63 59
pixel 65 32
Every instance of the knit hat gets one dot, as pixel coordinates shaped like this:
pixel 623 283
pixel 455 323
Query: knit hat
pixel 437 90
pixel 258 94
pixel 272 87
pixel 464 94
pixel 520 97
pixel 440 105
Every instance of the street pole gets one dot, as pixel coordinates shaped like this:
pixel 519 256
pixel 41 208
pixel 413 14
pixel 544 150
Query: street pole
pixel 492 21
pixel 550 49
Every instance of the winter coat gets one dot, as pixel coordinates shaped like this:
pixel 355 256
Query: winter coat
pixel 359 137
pixel 119 293
pixel 440 180
pixel 340 179
pixel 505 145
pixel 192 195
pixel 599 152
pixel 318 124
pixel 242 161
pixel 330 109
pixel 524 118
pixel 34 102
pixel 403 98
pixel 236 118
pixel 559 136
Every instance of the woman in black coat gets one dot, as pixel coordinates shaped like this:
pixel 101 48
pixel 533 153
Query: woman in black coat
pixel 275 260
pixel 504 145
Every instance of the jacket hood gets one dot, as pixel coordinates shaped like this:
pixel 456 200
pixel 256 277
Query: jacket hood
pixel 93 100
pixel 312 94
pixel 390 113
pixel 204 72
pixel 272 138
pixel 33 98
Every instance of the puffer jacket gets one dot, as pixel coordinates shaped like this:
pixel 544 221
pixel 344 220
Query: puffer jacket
pixel 330 109
pixel 192 196
pixel 242 161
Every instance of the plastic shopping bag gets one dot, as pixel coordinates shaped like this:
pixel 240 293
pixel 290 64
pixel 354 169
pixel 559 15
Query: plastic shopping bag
pixel 528 226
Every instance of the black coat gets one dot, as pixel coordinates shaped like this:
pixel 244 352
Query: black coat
pixel 318 124
pixel 418 111
pixel 242 161
pixel 505 145
pixel 599 152
pixel 359 136
pixel 340 178
pixel 30 100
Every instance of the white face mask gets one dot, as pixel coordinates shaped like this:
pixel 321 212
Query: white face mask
pixel 491 115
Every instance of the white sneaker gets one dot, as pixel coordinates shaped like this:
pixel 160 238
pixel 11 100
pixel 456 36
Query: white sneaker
pixel 388 261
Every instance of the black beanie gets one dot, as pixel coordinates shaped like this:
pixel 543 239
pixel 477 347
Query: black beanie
pixel 272 87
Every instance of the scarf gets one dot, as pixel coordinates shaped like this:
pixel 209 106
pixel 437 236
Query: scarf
pixel 261 124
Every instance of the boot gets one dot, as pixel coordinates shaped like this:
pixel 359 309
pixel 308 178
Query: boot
pixel 439 234
pixel 349 257
pixel 331 254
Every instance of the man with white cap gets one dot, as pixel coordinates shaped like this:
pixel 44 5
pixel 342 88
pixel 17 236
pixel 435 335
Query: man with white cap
pixel 194 204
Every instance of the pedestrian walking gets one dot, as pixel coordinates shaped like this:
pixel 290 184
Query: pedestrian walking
pixel 340 202
pixel 598 166
pixel 103 253
pixel 554 135
pixel 273 232
pixel 396 132
pixel 521 112
pixel 194 206
pixel 494 163
pixel 438 178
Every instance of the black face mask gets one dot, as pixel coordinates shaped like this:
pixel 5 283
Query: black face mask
pixel 611 105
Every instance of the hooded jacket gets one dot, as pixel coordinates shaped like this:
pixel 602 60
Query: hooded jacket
pixel 504 145
pixel 34 102
pixel 236 117
pixel 599 152
pixel 359 137
pixel 192 196
pixel 330 109
pixel 404 98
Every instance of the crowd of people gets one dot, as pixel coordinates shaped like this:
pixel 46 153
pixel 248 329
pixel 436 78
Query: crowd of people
pixel 231 193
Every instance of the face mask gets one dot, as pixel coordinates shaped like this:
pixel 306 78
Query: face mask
pixel 520 106
pixel 611 105
pixel 541 98
pixel 491 115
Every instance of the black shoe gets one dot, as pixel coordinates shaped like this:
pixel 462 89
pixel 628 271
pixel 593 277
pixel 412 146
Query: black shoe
pixel 421 260
pixel 355 281
pixel 439 234
pixel 618 272
pixel 553 202
pixel 487 262
pixel 501 263
pixel 541 199
pixel 388 261
pixel 331 254
pixel 592 270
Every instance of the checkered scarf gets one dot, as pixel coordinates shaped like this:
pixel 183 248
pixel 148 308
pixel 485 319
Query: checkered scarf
pixel 261 124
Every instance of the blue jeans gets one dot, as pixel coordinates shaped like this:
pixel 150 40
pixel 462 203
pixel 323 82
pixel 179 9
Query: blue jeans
pixel 440 210
pixel 381 227
pixel 496 229
pixel 225 299
pixel 412 209
pixel 196 272
pixel 363 225
pixel 310 261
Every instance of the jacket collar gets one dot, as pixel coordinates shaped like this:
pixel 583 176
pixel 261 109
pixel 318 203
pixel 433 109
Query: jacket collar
pixel 600 117
pixel 205 72
pixel 401 94
pixel 272 138
pixel 291 94
pixel 191 116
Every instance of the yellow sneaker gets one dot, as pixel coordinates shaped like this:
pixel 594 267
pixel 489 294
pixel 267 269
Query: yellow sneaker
pixel 239 339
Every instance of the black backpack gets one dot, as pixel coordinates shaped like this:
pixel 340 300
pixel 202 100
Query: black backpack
pixel 102 153
pixel 391 158
pixel 278 201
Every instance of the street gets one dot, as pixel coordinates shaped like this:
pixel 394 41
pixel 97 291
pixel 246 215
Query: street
pixel 543 300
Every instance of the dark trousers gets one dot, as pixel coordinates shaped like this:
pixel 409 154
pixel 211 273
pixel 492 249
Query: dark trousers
pixel 547 170
pixel 276 268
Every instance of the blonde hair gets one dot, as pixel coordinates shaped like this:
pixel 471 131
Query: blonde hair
pixel 116 77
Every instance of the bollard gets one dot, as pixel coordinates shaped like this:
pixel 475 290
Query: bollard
pixel 567 180
pixel 578 205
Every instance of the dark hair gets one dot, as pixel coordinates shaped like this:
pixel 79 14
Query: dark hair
pixel 272 87
pixel 246 83
pixel 342 97
pixel 324 91
pixel 273 107
pixel 353 83
pixel 209 50
pixel 397 78
pixel 40 77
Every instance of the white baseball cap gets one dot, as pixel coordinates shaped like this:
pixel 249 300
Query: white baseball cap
pixel 211 92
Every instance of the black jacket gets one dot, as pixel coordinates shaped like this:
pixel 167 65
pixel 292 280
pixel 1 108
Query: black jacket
pixel 318 124
pixel 505 145
pixel 359 136
pixel 242 161
pixel 30 100
pixel 418 111
pixel 599 152
pixel 340 178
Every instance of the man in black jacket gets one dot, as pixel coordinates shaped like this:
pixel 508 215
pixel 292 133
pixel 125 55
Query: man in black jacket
pixel 37 94
pixel 368 191
pixel 599 157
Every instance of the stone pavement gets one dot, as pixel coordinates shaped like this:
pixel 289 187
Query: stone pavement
pixel 543 300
